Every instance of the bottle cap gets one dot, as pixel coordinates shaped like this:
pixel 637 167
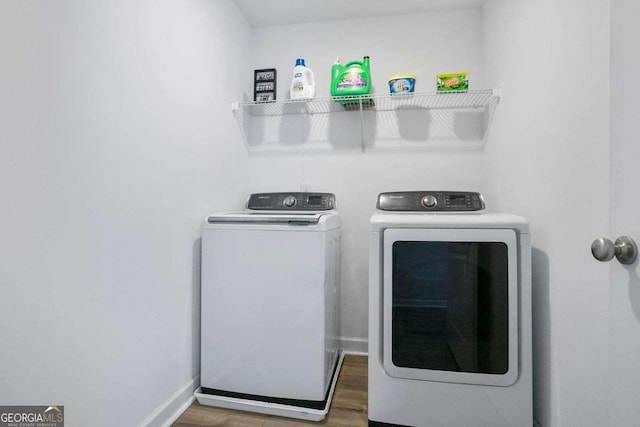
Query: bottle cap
pixel 299 61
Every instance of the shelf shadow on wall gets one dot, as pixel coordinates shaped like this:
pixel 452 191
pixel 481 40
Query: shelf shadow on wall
pixel 413 123
pixel 296 128
pixel 419 128
pixel 351 130
pixel 469 125
pixel 308 133
pixel 283 130
pixel 273 127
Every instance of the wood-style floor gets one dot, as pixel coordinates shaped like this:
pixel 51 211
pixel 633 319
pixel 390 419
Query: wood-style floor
pixel 349 406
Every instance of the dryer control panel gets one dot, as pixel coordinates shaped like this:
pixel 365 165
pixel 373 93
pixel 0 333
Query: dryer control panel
pixel 436 201
pixel 292 201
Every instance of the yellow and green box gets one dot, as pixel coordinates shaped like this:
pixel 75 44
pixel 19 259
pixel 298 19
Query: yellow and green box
pixel 453 82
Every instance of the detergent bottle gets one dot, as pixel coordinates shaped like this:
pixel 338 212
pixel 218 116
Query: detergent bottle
pixel 303 85
pixel 352 78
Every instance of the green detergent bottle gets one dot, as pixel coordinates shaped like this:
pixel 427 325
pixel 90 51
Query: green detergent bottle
pixel 352 78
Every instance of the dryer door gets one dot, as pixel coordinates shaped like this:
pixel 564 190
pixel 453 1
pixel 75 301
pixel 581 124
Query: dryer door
pixel 451 305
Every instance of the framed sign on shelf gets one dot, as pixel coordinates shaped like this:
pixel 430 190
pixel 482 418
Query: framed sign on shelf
pixel 264 85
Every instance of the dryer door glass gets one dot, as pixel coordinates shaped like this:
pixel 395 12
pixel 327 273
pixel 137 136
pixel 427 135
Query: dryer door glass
pixel 448 305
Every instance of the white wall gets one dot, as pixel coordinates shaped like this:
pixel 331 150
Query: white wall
pixel 116 140
pixel 421 44
pixel 548 160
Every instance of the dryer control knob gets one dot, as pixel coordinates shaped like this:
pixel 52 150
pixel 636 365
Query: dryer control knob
pixel 429 201
pixel 289 201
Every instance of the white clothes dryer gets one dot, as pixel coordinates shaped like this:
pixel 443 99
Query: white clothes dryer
pixel 269 321
pixel 449 313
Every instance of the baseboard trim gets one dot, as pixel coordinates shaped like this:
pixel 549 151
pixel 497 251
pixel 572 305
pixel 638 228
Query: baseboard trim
pixel 359 346
pixel 174 406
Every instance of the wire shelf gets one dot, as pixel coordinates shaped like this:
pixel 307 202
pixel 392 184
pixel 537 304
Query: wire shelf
pixel 471 100
pixel 285 125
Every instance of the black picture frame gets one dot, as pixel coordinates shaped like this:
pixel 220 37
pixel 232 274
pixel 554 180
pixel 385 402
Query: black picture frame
pixel 264 85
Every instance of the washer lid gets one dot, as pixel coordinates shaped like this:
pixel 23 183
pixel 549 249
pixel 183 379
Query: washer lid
pixel 283 218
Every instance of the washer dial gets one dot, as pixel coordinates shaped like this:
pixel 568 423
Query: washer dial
pixel 289 201
pixel 429 201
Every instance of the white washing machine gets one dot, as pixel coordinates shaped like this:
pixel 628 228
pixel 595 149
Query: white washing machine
pixel 449 313
pixel 269 321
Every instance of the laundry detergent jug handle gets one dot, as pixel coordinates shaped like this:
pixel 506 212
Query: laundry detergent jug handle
pixel 336 69
pixel 312 80
pixel 363 63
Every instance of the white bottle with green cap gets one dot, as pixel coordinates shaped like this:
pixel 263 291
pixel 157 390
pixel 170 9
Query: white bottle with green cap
pixel 303 85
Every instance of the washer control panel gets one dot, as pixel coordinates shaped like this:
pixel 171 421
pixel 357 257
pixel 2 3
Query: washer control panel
pixel 436 201
pixel 292 201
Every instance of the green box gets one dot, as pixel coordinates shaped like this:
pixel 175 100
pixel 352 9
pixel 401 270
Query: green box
pixel 453 82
